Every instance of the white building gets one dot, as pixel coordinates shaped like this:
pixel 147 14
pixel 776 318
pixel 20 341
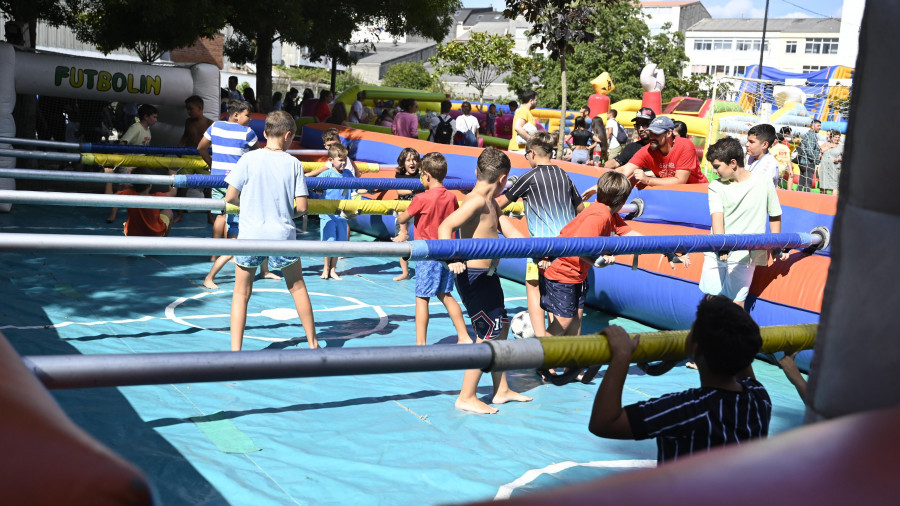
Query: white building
pixel 681 14
pixel 728 46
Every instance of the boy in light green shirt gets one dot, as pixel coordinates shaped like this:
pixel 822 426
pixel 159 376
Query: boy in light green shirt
pixel 739 203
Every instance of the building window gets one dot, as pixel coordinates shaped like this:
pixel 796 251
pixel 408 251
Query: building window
pixel 790 47
pixel 740 70
pixel 750 45
pixel 813 68
pixel 703 45
pixel 718 70
pixel 722 45
pixel 821 46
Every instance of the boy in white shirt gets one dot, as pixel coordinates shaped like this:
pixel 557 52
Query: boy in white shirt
pixel 759 139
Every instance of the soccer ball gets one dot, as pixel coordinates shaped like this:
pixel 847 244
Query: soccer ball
pixel 520 326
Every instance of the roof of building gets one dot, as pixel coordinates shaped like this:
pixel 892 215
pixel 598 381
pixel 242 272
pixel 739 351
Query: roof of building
pixel 797 25
pixel 469 17
pixel 387 51
pixel 503 27
pixel 673 3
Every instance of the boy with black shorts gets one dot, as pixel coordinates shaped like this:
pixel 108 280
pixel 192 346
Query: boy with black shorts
pixel 433 278
pixel 551 202
pixel 478 284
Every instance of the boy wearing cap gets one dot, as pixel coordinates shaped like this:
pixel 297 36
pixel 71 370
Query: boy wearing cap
pixel 672 159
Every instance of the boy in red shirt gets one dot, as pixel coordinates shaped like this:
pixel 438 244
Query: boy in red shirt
pixel 564 284
pixel 433 278
pixel 147 222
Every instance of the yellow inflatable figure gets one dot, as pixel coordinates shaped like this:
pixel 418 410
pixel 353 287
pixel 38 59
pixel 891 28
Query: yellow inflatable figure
pixel 603 84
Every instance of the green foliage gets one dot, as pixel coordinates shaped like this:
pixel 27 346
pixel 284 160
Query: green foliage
pixel 326 29
pixel 480 60
pixel 407 74
pixel 240 50
pixel 622 46
pixel 321 76
pixel 148 28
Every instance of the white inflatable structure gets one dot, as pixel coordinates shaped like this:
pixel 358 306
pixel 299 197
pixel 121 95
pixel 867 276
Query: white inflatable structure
pixel 165 87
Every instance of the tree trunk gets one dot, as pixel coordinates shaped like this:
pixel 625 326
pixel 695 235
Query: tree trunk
pixel 562 109
pixel 333 76
pixel 264 43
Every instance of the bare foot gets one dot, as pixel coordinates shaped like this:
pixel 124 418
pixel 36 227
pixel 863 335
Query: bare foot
pixel 270 275
pixel 324 275
pixel 208 283
pixel 510 396
pixel 475 406
pixel 690 365
pixel 401 277
pixel 334 275
pixel 464 340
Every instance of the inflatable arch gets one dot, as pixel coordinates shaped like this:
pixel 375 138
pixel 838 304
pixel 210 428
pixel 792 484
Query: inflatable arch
pixel 59 75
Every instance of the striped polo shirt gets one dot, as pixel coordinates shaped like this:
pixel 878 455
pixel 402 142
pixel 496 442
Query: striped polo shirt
pixel 229 142
pixel 550 199
pixel 698 419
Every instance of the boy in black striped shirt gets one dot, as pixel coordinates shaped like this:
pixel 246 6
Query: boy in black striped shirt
pixel 729 407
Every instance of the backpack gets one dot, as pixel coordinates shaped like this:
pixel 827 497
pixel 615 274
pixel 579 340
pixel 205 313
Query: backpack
pixel 443 132
pixel 621 136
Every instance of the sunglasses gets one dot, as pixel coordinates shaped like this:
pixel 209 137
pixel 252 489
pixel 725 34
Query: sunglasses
pixel 641 124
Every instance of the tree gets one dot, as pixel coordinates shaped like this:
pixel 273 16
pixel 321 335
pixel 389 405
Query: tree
pixel 407 74
pixel 616 26
pixel 559 25
pixel 326 29
pixel 481 60
pixel 147 28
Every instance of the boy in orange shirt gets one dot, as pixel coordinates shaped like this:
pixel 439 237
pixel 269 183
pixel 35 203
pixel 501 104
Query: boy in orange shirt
pixel 146 222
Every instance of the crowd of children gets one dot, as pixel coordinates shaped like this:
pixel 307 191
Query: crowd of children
pixel 270 186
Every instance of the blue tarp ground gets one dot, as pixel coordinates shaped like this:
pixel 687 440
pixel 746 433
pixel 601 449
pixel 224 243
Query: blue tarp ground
pixel 386 439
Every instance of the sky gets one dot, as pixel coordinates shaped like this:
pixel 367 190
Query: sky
pixel 739 8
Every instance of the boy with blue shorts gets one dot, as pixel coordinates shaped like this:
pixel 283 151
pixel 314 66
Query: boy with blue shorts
pixel 433 278
pixel 269 185
pixel 739 202
pixel 478 284
pixel 335 227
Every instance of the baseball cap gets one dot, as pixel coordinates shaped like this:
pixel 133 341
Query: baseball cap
pixel 660 125
pixel 645 113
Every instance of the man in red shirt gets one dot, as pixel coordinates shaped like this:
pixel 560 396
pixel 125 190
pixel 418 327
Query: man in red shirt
pixel 672 159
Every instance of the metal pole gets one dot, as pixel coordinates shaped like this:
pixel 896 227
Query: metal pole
pixel 15 141
pixel 187 246
pixel 86 177
pixel 41 155
pixel 88 371
pixel 762 47
pixel 93 200
pixel 447 249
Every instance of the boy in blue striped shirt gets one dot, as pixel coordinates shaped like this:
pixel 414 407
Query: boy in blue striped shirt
pixel 228 141
pixel 729 407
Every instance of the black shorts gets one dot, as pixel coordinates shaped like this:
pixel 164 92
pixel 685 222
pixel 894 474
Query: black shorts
pixel 562 299
pixel 482 296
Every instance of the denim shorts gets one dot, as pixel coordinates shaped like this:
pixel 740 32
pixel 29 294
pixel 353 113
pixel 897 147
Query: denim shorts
pixel 432 278
pixel 275 263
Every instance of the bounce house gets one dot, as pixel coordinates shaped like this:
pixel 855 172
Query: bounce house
pixel 645 287
pixel 59 75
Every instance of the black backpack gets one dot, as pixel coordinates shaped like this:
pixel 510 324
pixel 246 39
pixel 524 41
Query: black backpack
pixel 621 136
pixel 443 133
